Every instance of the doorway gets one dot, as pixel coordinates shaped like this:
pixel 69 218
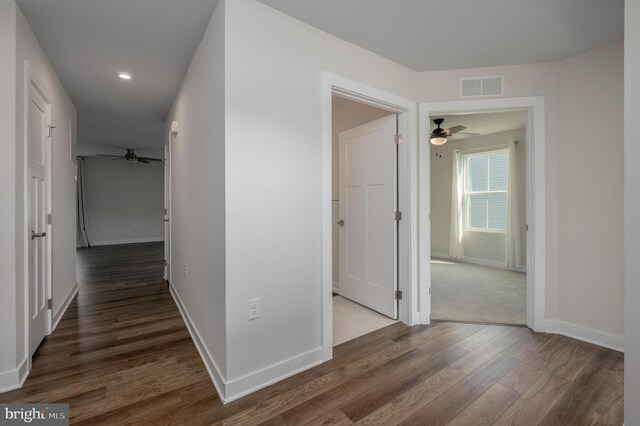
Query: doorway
pixel 478 217
pixel 406 276
pixel 535 197
pixel 364 188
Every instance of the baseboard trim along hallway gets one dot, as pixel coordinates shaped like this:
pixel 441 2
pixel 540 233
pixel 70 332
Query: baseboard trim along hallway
pixel 230 390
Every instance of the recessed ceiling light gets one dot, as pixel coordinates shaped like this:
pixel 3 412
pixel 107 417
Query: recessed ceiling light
pixel 125 75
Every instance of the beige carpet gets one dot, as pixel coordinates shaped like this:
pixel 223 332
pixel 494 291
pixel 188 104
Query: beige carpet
pixel 466 292
pixel 351 320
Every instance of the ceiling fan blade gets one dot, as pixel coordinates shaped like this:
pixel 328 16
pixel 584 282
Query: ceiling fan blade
pixel 143 160
pixel 117 158
pixel 455 129
pixel 106 155
pixel 469 134
pixel 149 159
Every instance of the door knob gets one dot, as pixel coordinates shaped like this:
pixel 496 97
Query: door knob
pixel 38 234
pixel 341 222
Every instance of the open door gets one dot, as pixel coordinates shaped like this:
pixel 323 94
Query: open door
pixel 367 215
pixel 167 210
pixel 38 137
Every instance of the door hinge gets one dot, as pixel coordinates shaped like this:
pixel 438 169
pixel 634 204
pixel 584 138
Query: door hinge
pixel 49 219
pixel 166 262
pixel 398 216
pixel 526 227
pixel 49 304
pixel 398 294
pixel 398 139
pixel 50 130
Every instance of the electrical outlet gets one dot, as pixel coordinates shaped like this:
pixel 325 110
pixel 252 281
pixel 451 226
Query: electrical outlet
pixel 185 270
pixel 254 309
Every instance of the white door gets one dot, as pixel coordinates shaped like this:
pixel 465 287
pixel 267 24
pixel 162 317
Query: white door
pixel 38 117
pixel 167 209
pixel 367 212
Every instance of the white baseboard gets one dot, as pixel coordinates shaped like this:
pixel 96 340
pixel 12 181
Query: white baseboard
pixel 14 379
pixel 126 241
pixel 336 287
pixel 477 261
pixel 256 380
pixel 585 334
pixel 65 305
pixel 230 390
pixel 214 372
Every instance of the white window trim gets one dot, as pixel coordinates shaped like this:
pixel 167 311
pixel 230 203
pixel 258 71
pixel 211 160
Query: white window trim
pixel 465 157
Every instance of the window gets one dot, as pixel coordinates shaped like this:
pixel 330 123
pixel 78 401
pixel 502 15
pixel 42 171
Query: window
pixel 486 186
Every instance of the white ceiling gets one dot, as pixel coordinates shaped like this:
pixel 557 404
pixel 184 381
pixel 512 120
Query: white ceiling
pixel 483 123
pixel 89 41
pixel 449 34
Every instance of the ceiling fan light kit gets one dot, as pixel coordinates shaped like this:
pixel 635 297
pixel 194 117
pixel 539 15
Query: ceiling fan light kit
pixel 439 135
pixel 439 140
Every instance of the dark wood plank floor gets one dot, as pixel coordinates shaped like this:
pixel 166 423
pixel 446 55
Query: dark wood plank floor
pixel 122 355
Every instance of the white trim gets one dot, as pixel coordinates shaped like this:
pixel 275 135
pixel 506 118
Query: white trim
pixel 230 390
pixel 214 371
pixel 14 379
pixel 408 283
pixel 65 305
pixel 536 215
pixel 336 287
pixel 600 338
pixel 264 377
pixel 127 241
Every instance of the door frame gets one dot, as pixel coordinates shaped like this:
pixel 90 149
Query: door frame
pixel 407 267
pixel 31 77
pixel 536 244
pixel 167 206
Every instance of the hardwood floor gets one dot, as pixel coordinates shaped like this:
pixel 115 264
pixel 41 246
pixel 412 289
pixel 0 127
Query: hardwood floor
pixel 122 354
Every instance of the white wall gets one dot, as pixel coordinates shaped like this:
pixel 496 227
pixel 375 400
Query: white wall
pixel 584 238
pixel 63 189
pixel 8 375
pixel 17 44
pixel 483 246
pixel 273 162
pixel 198 192
pixel 124 202
pixel 345 116
pixel 632 212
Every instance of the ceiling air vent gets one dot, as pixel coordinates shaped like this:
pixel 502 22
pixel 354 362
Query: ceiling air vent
pixel 471 87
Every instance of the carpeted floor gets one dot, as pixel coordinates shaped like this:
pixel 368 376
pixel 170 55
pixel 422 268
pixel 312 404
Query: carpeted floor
pixel 351 320
pixel 467 292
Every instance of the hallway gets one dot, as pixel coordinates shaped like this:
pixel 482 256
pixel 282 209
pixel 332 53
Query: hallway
pixel 122 354
pixel 121 351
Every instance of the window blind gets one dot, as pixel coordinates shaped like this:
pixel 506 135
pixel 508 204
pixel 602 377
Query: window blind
pixel 486 186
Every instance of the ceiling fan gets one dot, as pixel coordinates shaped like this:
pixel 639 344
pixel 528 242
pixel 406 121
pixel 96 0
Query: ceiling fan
pixel 131 157
pixel 439 136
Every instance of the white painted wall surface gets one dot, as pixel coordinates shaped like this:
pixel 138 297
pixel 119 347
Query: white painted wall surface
pixel 584 239
pixel 124 202
pixel 273 161
pixel 7 193
pixel 632 212
pixel 346 116
pixel 477 245
pixel 17 44
pixel 63 189
pixel 198 191
pixel 590 185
